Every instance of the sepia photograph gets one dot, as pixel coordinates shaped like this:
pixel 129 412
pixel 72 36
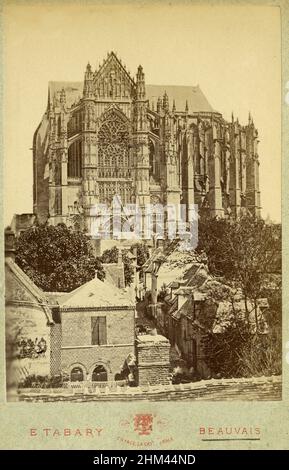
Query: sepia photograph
pixel 142 205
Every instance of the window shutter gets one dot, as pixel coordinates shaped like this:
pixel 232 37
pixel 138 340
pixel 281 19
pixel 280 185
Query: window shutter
pixel 102 330
pixel 94 331
pixel 98 330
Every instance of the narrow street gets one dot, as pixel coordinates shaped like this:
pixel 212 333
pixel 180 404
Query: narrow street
pixel 149 324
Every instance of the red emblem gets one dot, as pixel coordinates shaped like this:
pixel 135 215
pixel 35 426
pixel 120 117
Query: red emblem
pixel 143 424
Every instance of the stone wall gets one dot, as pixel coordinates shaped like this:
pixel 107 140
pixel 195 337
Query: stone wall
pixel 241 389
pixel 153 357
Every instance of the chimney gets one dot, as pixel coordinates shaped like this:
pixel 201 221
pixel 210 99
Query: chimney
pixel 9 243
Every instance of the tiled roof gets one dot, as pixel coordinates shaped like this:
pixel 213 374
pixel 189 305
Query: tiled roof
pixel 198 276
pixel 197 102
pixel 96 294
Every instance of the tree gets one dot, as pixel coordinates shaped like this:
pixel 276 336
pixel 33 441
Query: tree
pixel 244 252
pixel 57 258
pixel 111 256
pixel 142 253
pixel 238 353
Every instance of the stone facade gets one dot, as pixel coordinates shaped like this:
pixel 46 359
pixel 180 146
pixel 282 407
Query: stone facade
pixel 153 358
pixel 113 134
pixel 97 330
pixel 28 322
pixel 64 324
pixel 76 347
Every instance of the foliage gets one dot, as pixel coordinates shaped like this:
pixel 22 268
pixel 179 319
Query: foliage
pixel 57 258
pixel 111 256
pixel 246 254
pixel 239 353
pixel 42 381
pixel 142 253
pixel 242 251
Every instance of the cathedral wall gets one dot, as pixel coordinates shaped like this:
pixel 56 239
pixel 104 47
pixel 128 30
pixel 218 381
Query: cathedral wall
pixel 41 171
pixel 174 150
pixel 101 107
pixel 73 192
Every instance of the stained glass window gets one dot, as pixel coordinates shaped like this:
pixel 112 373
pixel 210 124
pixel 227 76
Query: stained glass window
pixel 74 160
pixel 113 138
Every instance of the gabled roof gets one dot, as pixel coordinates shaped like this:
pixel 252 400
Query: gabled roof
pixel 96 294
pixel 113 60
pixel 174 268
pixel 205 320
pixel 198 276
pixel 40 298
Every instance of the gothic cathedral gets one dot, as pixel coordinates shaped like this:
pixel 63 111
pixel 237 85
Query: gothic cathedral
pixel 113 134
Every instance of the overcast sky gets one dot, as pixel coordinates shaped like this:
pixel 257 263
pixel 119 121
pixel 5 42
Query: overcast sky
pixel 233 53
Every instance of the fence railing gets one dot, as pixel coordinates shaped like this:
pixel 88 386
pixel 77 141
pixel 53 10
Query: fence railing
pixel 91 385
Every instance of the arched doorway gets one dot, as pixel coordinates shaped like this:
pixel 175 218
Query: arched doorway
pixel 76 374
pixel 99 374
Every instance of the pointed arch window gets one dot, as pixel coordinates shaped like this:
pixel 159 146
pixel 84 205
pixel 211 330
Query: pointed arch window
pixel 74 160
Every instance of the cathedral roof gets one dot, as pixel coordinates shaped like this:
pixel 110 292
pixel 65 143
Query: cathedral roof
pixel 193 95
pixel 73 91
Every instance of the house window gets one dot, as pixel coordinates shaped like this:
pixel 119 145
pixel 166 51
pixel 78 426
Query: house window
pixel 98 330
pixel 99 374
